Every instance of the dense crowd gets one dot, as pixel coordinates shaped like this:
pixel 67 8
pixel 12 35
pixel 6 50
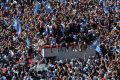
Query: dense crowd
pixel 63 23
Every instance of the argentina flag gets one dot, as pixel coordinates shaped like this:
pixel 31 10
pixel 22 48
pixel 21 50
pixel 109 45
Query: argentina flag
pixel 36 7
pixel 48 7
pixel 5 22
pixel 95 43
pixel 96 46
pixel 106 10
pixel 28 27
pixel 17 26
pixel 28 42
pixel 98 49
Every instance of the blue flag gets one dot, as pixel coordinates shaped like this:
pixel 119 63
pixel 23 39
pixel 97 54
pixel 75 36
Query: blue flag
pixel 96 43
pixel 17 26
pixel 7 1
pixel 106 10
pixel 19 30
pixel 98 49
pixel 48 7
pixel 14 24
pixel 36 7
pixel 117 8
pixel 103 3
pixel 28 42
pixel 96 46
pixel 85 20
pixel 5 22
pixel 28 27
pixel 46 32
pixel 65 2
pixel 105 7
pixel 97 1
pixel 61 1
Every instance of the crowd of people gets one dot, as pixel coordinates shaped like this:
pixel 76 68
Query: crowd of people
pixel 27 25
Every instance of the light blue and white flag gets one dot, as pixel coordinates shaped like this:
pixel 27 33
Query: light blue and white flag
pixel 7 1
pixel 19 29
pixel 105 7
pixel 5 22
pixel 61 1
pixel 17 26
pixel 48 7
pixel 28 27
pixel 117 8
pixel 97 1
pixel 36 7
pixel 15 23
pixel 28 42
pixel 104 3
pixel 96 46
pixel 98 49
pixel 46 32
pixel 95 43
pixel 106 10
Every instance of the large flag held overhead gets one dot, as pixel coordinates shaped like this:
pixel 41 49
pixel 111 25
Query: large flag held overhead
pixel 14 24
pixel 95 43
pixel 28 27
pixel 28 42
pixel 103 3
pixel 97 1
pixel 7 1
pixel 96 46
pixel 17 26
pixel 98 49
pixel 117 8
pixel 105 7
pixel 61 1
pixel 36 7
pixel 5 22
pixel 48 7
